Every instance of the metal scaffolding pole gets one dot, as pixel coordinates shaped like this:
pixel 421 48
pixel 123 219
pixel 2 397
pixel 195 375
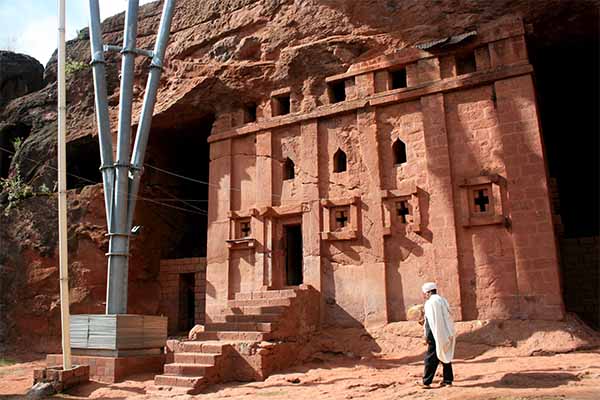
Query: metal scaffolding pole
pixel 143 131
pixel 62 192
pixel 118 249
pixel 119 192
pixel 104 136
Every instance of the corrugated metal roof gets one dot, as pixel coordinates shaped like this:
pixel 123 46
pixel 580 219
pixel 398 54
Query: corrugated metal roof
pixel 447 41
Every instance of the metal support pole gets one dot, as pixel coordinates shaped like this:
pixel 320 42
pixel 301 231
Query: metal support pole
pixel 62 192
pixel 143 131
pixel 118 250
pixel 104 135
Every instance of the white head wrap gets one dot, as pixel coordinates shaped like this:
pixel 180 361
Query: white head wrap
pixel 428 287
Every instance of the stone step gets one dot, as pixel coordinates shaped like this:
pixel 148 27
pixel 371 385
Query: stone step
pixel 260 302
pixel 194 382
pixel 196 358
pixel 240 326
pixel 267 294
pixel 192 346
pixel 252 318
pixel 257 310
pixel 234 335
pixel 182 369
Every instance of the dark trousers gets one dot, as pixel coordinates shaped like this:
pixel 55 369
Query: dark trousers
pixel 431 361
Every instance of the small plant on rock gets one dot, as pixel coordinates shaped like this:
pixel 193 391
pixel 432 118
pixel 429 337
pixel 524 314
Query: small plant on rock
pixel 73 66
pixel 15 190
pixel 44 190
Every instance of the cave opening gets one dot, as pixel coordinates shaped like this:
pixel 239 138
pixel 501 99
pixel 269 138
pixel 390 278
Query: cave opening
pixel 10 140
pixel 175 184
pixel 83 162
pixel 566 77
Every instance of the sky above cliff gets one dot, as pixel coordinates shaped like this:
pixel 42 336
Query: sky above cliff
pixel 31 26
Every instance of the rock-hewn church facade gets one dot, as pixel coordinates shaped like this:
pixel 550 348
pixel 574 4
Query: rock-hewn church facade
pixel 426 164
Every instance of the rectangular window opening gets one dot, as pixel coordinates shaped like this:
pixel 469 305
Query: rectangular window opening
pixel 398 78
pixel 280 105
pixel 337 91
pixel 250 113
pixel 465 63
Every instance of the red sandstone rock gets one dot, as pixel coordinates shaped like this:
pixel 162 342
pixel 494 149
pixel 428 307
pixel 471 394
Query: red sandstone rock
pixel 224 54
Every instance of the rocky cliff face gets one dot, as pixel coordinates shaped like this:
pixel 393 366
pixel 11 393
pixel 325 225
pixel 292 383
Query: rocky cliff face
pixel 19 74
pixel 222 54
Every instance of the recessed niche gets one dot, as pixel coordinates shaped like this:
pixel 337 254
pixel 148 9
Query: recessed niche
pixel 399 150
pixel 289 169
pixel 336 91
pixel 250 113
pixel 339 161
pixel 397 78
pixel 280 105
pixel 465 63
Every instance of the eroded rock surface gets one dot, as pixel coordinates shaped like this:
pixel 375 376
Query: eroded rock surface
pixel 19 74
pixel 222 54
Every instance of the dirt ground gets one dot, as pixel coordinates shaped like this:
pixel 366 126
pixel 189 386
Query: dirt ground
pixel 574 375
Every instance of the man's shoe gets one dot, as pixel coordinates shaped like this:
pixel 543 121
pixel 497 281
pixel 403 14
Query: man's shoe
pixel 422 385
pixel 442 384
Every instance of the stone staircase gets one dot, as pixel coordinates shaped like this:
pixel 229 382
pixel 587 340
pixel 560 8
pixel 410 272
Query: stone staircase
pixel 232 346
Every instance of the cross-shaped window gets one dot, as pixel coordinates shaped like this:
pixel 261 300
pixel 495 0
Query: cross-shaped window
pixel 341 219
pixel 402 211
pixel 481 200
pixel 245 229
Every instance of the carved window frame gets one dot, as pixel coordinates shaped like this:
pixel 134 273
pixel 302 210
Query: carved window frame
pixel 496 189
pixel 350 231
pixel 389 199
pixel 236 219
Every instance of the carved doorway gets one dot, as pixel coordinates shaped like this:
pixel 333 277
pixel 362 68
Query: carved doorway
pixel 292 241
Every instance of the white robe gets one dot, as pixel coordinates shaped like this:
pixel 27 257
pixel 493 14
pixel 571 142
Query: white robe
pixel 437 313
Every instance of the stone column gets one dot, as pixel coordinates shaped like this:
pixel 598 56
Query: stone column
pixel 261 226
pixel 219 205
pixel 374 281
pixel 441 208
pixel 311 218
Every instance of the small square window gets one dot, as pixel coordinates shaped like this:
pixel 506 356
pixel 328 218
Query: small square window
pixel 398 78
pixel 280 105
pixel 480 201
pixel 465 63
pixel 341 218
pixel 483 201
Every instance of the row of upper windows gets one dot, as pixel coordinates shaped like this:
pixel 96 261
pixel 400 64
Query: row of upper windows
pixel 337 90
pixel 340 163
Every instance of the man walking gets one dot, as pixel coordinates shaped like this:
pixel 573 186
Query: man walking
pixel 439 334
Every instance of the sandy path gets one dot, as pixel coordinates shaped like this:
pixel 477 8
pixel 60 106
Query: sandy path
pixel 562 376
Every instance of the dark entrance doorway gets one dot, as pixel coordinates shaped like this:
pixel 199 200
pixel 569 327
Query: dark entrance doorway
pixel 187 308
pixel 293 254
